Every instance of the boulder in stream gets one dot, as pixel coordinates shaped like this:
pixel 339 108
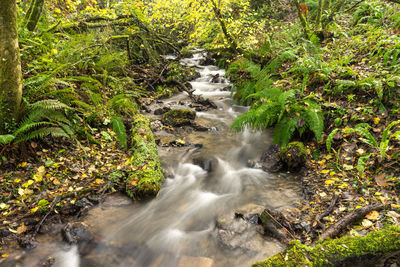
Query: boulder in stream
pixel 179 117
pixel 290 158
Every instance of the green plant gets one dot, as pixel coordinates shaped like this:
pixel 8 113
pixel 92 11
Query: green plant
pixel 366 137
pixel 284 110
pixel 40 119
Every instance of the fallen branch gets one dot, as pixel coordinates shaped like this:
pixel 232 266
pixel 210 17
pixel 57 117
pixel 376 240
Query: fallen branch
pixel 335 229
pixel 317 220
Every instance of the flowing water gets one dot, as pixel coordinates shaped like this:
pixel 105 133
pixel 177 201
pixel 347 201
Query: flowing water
pixel 183 226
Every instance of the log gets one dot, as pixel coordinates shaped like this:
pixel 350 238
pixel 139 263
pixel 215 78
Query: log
pixel 335 229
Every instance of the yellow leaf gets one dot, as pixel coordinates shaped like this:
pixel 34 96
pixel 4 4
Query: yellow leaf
pixel 332 173
pixel 99 181
pixel 34 209
pixel 4 255
pixel 17 180
pixel 395 206
pixel 373 215
pixel 38 178
pixel 41 170
pixel 4 206
pixel 329 182
pixel 23 164
pixel 28 183
pixel 84 175
pixel 21 191
pixel 377 120
pixel 22 229
pixel 378 194
pixel 325 171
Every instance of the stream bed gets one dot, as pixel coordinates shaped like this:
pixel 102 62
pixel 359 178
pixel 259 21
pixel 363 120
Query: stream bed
pixel 192 220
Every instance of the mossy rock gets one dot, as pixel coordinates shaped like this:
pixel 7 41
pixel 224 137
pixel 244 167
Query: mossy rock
pixel 179 117
pixel 370 250
pixel 293 156
pixel 146 176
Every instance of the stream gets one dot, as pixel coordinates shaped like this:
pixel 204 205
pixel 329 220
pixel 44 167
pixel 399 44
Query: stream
pixel 192 220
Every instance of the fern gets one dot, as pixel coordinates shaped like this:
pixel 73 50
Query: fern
pixel 118 127
pixel 6 139
pixel 284 130
pixel 330 138
pixel 362 161
pixel 315 121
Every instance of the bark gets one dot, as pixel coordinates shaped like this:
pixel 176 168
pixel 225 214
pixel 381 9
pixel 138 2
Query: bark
pixel 33 14
pixel 10 66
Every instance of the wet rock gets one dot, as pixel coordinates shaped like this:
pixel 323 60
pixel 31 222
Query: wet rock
pixel 293 156
pixel 27 242
pixel 4 233
pixel 248 211
pixel 270 160
pixel 156 125
pixel 239 235
pixel 179 117
pixel 76 233
pixel 186 261
pixel 207 164
pixel 200 128
pixel 227 88
pixel 162 110
pixel 216 78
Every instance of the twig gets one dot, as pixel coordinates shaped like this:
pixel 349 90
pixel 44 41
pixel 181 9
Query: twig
pixel 332 205
pixel 55 201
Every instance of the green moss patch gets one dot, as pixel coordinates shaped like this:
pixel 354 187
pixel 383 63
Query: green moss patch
pixel 146 177
pixel 179 117
pixel 355 250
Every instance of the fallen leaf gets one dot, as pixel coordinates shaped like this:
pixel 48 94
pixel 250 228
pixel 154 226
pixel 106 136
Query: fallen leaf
pixel 381 181
pixel 22 229
pixel 367 223
pixel 393 214
pixel 373 215
pixel 4 255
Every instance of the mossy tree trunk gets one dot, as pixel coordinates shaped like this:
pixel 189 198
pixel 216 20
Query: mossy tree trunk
pixel 33 14
pixel 302 13
pixel 10 65
pixel 228 36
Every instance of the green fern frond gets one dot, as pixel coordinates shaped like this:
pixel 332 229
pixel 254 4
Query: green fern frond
pixel 284 130
pixel 6 139
pixel 48 104
pixel 330 138
pixel 41 133
pixel 118 126
pixel 315 121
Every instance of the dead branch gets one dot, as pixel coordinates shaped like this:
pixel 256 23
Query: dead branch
pixel 335 229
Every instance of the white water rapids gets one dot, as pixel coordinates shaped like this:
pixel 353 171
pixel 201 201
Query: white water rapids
pixel 179 227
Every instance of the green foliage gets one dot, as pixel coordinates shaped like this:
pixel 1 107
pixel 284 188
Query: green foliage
pixel 118 126
pixel 40 119
pixel 371 12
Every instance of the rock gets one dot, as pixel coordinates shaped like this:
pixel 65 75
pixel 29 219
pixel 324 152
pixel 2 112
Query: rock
pixel 227 88
pixel 270 160
pixel 162 110
pixel 186 261
pixel 78 233
pixel 208 165
pixel 179 117
pixel 200 128
pixel 27 242
pixel 4 233
pixel 293 156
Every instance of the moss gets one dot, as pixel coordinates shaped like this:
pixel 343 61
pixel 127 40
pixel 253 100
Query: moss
pixel 336 252
pixel 180 73
pixel 294 155
pixel 179 117
pixel 146 176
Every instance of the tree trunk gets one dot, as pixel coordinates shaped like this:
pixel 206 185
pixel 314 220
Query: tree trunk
pixel 321 5
pixel 10 66
pixel 33 14
pixel 302 12
pixel 228 36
